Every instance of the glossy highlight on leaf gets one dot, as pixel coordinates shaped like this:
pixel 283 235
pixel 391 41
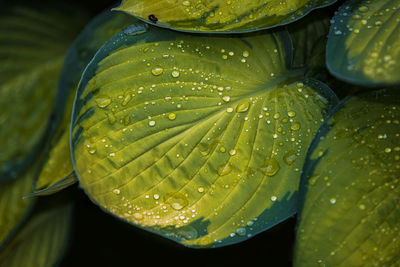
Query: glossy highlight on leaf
pixel 41 241
pixel 205 154
pixel 364 42
pixel 32 50
pixel 351 188
pixel 222 16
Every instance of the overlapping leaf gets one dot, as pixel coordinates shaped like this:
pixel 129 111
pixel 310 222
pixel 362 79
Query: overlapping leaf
pixel 200 139
pixel 57 171
pixel 306 35
pixel 13 208
pixel 351 213
pixel 364 42
pixel 220 15
pixel 32 48
pixel 41 241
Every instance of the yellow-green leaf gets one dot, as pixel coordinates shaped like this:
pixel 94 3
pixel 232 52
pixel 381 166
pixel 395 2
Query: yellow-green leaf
pixel 199 139
pixel 33 44
pixel 42 241
pixel 13 208
pixel 351 213
pixel 54 175
pixel 231 16
pixel 364 42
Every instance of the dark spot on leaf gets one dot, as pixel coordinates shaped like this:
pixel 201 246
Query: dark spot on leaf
pixel 153 18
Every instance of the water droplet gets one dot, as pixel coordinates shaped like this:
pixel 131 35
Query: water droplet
pixel 175 74
pixel 111 118
pixel 116 191
pixel 246 53
pixel 156 196
pixel 200 189
pixel 226 98
pixel 241 231
pixel 204 149
pixel 187 233
pixel 243 106
pixel 274 198
pixel 103 101
pixel 157 71
pixel 290 157
pixel 333 200
pixel 291 114
pixel 222 149
pixel 271 167
pixel 152 123
pixel 224 169
pixel 295 126
pixel 176 200
pixel 361 207
pixel 91 149
pixel 138 216
pixel 127 98
pixel 363 9
pixel 232 152
pixel 172 116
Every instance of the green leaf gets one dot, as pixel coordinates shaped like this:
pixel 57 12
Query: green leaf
pixel 55 187
pixel 13 208
pixel 364 42
pixel 232 16
pixel 42 241
pixel 54 175
pixel 351 214
pixel 33 44
pixel 306 36
pixel 199 139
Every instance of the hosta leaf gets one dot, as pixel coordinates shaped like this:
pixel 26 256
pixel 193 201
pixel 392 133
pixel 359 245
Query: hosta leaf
pixel 364 42
pixel 32 48
pixel 200 139
pixel 306 35
pixel 41 241
pixel 55 173
pixel 220 15
pixel 351 213
pixel 13 208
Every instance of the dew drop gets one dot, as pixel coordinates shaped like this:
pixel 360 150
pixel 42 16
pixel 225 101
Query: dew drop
pixel 363 9
pixel 200 189
pixel 241 231
pixel 103 101
pixel 246 53
pixel 271 167
pixel 224 169
pixel 232 152
pixel 176 200
pixel 295 126
pixel 243 106
pixel 157 71
pixel 172 116
pixel 152 123
pixel 274 198
pixel 175 74
pixel 290 157
pixel 226 98
pixel 116 191
pixel 333 200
